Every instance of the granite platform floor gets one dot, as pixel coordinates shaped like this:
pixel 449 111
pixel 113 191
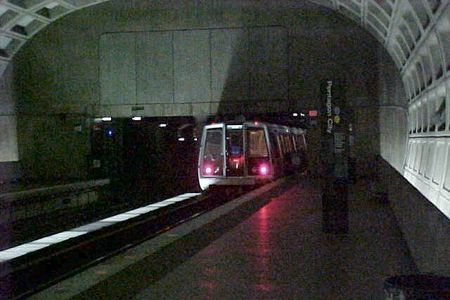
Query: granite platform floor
pixel 280 252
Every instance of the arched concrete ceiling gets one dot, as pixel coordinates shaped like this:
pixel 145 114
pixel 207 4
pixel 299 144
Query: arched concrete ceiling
pixel 415 32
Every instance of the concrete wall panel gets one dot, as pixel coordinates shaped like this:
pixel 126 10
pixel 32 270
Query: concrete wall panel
pixel 226 58
pixel 268 63
pixel 154 63
pixel 229 65
pixel 192 66
pixel 118 68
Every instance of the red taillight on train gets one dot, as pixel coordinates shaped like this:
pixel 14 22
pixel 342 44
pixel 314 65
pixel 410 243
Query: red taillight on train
pixel 263 169
pixel 208 170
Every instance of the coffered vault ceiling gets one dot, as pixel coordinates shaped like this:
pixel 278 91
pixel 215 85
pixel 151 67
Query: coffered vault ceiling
pixel 416 33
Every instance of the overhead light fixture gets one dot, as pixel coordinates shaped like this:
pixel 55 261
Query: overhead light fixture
pixel 136 118
pixel 106 119
pixel 162 125
pixel 295 114
pixel 181 139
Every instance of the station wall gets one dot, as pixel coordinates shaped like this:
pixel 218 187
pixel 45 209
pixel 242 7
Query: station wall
pixel 63 72
pixel 9 167
pixel 415 187
pixel 60 82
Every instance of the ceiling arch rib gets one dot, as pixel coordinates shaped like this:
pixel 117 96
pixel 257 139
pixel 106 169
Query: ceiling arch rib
pixel 407 28
pixel 20 20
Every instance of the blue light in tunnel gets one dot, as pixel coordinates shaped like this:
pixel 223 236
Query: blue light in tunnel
pixel 109 132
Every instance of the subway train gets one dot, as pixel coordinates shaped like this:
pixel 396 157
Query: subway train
pixel 249 153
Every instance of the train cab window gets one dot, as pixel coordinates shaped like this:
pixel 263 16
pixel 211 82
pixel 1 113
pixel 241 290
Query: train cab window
pixel 234 151
pixel 257 146
pixel 212 155
pixel 258 162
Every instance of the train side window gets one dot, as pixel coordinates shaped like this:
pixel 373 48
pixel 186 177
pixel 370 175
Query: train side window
pixel 281 143
pixel 289 142
pixel 286 141
pixel 274 145
pixel 294 144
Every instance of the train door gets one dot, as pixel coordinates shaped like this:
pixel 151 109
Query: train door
pixel 234 143
pixel 275 153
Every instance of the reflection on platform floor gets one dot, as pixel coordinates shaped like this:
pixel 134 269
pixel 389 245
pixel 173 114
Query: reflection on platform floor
pixel 280 252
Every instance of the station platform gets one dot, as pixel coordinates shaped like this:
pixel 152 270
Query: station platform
pixel 266 245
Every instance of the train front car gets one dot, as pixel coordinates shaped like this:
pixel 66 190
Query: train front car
pixel 234 154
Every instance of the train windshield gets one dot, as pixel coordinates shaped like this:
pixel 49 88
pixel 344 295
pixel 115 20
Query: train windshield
pixel 257 146
pixel 235 151
pixel 257 154
pixel 212 155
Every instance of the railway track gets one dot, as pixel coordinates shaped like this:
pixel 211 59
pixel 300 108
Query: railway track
pixel 29 273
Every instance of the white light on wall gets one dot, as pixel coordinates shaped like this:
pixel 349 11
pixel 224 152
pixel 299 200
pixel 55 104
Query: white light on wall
pixel 302 114
pixel 162 125
pixel 295 114
pixel 106 119
pixel 136 118
pixel 181 139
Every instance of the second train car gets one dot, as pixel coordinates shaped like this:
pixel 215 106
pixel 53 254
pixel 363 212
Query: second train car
pixel 248 153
